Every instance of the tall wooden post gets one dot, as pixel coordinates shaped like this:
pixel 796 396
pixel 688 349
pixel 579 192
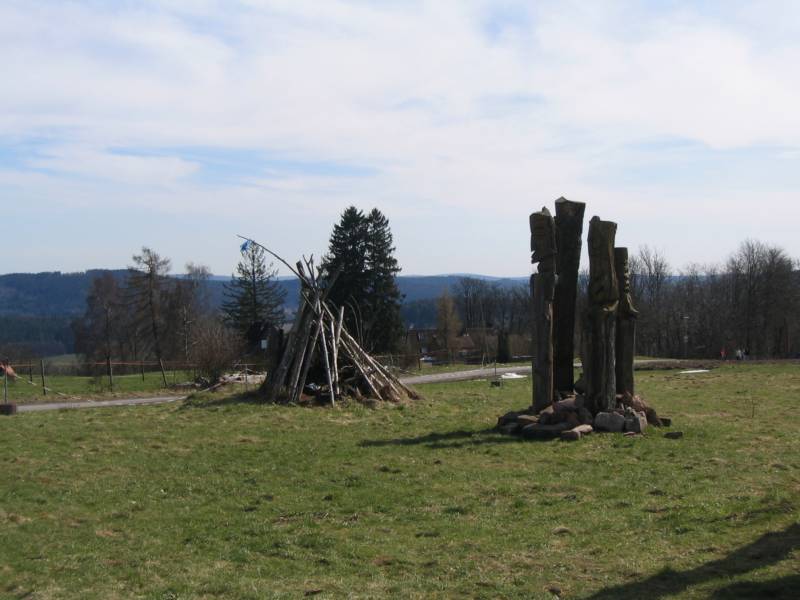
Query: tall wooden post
pixel 110 373
pixel 569 228
pixel 44 388
pixel 163 372
pixel 543 246
pixel 626 324
pixel 599 360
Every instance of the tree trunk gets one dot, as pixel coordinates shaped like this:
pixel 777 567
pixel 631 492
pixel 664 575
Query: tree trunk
pixel 626 325
pixel 600 340
pixel 569 228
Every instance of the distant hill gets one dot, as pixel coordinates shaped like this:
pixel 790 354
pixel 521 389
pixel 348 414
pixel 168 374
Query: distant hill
pixel 37 308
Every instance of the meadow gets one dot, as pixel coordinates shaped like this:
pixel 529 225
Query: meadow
pixel 219 496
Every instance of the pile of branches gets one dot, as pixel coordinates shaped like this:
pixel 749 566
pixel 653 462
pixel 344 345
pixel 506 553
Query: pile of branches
pixel 318 334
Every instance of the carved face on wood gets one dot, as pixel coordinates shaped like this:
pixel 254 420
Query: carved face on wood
pixel 623 269
pixel 543 240
pixel 602 276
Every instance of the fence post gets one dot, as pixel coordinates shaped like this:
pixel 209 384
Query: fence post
pixel 110 374
pixel 163 372
pixel 5 385
pixel 141 367
pixel 30 371
pixel 44 388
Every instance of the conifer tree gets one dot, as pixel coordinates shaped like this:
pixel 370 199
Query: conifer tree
pixel 254 300
pixel 361 251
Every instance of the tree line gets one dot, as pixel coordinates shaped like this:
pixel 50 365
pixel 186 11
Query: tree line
pixel 749 302
pixel 149 314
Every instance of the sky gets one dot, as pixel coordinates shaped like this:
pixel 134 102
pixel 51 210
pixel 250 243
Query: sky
pixel 179 124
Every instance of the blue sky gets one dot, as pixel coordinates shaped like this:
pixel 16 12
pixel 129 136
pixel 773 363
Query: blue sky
pixel 179 124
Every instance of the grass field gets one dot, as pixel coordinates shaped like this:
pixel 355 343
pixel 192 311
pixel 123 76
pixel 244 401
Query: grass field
pixel 22 391
pixel 224 498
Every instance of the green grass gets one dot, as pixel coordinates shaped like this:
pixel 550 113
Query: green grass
pixel 22 391
pixel 224 498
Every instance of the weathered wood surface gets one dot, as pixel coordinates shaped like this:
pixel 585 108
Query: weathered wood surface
pixel 626 325
pixel 569 228
pixel 601 318
pixel 543 247
pixel 310 334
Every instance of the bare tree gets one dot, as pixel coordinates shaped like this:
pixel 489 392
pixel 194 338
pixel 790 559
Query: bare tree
pixel 447 322
pixel 148 291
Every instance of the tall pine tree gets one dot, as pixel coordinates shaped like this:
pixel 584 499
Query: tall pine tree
pixel 254 300
pixel 361 250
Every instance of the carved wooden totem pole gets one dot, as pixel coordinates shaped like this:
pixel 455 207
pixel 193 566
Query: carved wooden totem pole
pixel 569 228
pixel 543 283
pixel 601 318
pixel 626 324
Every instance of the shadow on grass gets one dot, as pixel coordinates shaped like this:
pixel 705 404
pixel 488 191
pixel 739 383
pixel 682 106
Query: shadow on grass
pixel 451 439
pixel 769 549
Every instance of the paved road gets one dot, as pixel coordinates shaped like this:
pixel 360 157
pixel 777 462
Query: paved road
pixel 490 371
pixel 97 403
pixel 433 378
pixel 464 375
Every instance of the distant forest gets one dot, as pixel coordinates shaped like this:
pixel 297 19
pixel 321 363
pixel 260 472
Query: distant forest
pixel 749 302
pixel 37 309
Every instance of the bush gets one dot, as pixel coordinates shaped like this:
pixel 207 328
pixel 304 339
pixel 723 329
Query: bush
pixel 216 348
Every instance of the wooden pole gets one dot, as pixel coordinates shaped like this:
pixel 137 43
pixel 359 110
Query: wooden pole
pixel 335 359
pixel 543 282
pixel 599 360
pixel 41 365
pixel 321 327
pixel 163 372
pixel 325 360
pixel 626 325
pixel 302 351
pixel 276 379
pixel 569 228
pixel 30 370
pixel 305 364
pixel 110 374
pixel 5 386
pixel 141 368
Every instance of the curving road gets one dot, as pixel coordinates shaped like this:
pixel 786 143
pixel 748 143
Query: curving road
pixel 413 380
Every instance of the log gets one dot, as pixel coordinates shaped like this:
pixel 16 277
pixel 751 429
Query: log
pixel 296 386
pixel 543 247
pixel 569 228
pixel 274 382
pixel 626 325
pixel 601 319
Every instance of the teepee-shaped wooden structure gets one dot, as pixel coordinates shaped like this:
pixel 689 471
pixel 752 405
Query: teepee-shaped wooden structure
pixel 318 331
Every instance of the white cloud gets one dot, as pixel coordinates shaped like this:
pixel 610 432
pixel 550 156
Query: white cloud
pixel 452 116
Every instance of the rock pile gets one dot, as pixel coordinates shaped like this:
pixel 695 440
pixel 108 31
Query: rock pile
pixel 570 419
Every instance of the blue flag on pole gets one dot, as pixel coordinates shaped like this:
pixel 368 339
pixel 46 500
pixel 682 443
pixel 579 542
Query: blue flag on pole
pixel 246 246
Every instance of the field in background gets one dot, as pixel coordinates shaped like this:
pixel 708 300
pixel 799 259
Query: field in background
pixel 220 497
pixel 67 379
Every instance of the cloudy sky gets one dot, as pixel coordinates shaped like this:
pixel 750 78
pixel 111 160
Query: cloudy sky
pixel 178 124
